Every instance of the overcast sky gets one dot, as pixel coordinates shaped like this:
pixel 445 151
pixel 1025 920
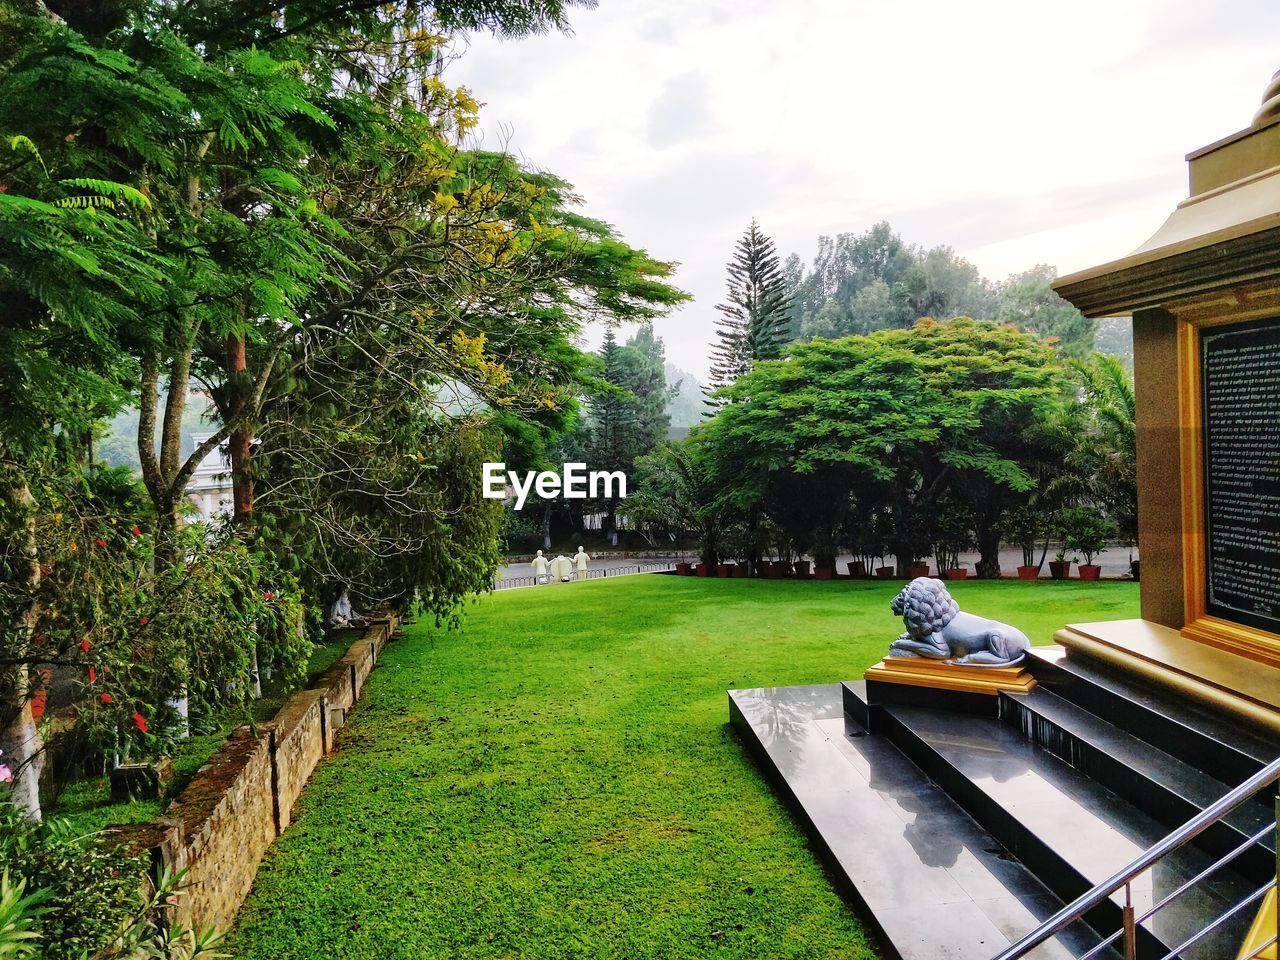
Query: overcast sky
pixel 1015 131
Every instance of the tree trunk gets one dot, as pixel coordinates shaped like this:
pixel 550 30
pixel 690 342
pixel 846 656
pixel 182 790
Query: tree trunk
pixel 988 566
pixel 241 439
pixel 20 737
pixel 903 557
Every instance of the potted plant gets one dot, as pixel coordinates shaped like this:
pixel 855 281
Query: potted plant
pixel 919 569
pixel 857 569
pixel 725 570
pixel 802 568
pixel 1060 566
pixel 1024 526
pixel 953 533
pixel 1086 529
pixel 684 568
pixel 701 569
pixel 741 570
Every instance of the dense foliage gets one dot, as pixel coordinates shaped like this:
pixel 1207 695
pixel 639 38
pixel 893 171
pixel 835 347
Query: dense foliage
pixel 859 283
pixel 918 442
pixel 272 209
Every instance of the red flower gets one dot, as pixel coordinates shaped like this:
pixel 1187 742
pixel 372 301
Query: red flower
pixel 105 697
pixel 102 543
pixel 4 188
pixel 268 595
pixel 93 675
pixel 137 532
pixel 140 722
pixel 84 645
pixel 72 546
pixel 143 620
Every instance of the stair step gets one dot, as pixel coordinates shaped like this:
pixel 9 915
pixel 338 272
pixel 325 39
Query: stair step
pixel 1195 734
pixel 1072 832
pixel 928 878
pixel 1161 785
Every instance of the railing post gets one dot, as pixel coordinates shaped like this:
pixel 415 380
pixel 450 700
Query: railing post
pixel 1130 928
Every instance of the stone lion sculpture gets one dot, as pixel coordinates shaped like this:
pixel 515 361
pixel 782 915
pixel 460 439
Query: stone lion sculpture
pixel 938 629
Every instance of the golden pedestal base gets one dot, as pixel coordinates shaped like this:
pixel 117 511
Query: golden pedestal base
pixel 944 675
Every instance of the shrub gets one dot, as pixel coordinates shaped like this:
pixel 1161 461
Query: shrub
pixel 86 890
pixel 1087 530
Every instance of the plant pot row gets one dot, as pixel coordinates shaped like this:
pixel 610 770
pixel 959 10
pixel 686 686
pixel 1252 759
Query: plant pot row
pixel 1061 570
pixel 771 569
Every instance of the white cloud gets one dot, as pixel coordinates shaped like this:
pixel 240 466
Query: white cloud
pixel 1016 132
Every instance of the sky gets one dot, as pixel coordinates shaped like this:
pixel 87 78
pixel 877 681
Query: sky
pixel 1017 132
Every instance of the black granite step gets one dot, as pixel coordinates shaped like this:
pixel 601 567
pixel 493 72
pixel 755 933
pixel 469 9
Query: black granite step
pixel 1199 736
pixel 1069 830
pixel 930 882
pixel 1168 789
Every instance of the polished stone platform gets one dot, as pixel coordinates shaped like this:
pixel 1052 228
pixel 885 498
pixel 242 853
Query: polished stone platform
pixel 930 880
pixel 955 827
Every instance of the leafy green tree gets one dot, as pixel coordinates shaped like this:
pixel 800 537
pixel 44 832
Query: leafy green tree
pixel 1028 301
pixel 872 281
pixel 755 321
pixel 1104 460
pixel 644 374
pixel 899 417
pixel 270 203
pixel 677 496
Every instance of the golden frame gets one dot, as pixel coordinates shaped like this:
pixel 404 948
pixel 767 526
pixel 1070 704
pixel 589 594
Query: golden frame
pixel 1241 306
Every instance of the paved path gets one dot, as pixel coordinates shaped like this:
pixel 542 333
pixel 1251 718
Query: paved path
pixel 1114 563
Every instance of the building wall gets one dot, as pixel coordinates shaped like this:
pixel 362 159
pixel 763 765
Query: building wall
pixel 1160 538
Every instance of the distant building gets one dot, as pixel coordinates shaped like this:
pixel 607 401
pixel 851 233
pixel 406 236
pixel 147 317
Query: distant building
pixel 210 486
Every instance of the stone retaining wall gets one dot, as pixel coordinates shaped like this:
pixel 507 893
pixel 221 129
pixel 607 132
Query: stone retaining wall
pixel 220 826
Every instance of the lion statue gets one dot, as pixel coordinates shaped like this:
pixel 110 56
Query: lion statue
pixel 938 629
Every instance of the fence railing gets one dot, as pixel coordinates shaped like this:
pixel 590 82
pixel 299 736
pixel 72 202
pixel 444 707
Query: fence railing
pixel 1125 939
pixel 646 566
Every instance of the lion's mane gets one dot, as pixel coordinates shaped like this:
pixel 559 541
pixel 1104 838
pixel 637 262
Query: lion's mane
pixel 925 606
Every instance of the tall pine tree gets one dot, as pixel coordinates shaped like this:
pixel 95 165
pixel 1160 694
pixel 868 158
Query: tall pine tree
pixel 755 322
pixel 614 413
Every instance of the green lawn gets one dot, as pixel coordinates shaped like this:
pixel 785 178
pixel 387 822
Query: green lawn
pixel 558 779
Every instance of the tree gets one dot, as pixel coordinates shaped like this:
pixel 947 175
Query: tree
pixel 1104 460
pixel 1028 301
pixel 899 418
pixel 872 281
pixel 677 496
pixel 644 374
pixel 270 201
pixel 754 322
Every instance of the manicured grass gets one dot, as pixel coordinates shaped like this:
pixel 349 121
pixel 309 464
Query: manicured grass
pixel 558 779
pixel 87 805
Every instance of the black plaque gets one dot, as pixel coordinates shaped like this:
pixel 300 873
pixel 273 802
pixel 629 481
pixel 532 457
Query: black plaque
pixel 1241 379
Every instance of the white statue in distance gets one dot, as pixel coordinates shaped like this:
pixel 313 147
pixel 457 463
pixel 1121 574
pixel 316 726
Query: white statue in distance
pixel 581 558
pixel 539 564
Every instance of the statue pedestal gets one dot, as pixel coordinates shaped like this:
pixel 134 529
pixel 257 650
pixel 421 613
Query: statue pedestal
pixel 945 675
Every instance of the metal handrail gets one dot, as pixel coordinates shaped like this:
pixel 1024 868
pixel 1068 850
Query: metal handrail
pixel 1184 887
pixel 1119 880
